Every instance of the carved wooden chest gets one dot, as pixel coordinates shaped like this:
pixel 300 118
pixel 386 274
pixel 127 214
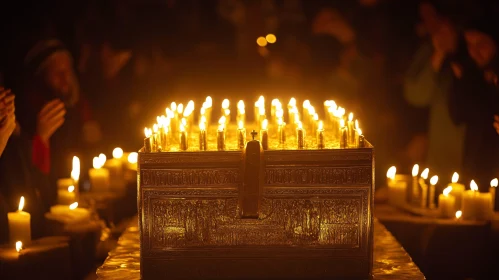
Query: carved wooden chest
pixel 254 214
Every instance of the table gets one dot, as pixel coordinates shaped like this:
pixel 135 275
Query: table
pixel 391 261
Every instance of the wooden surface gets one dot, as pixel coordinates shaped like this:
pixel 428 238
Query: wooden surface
pixel 391 261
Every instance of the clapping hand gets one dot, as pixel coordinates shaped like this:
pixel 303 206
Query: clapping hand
pixel 7 117
pixel 50 118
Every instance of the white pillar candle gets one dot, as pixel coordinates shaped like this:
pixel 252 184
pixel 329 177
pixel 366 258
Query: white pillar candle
pixel 423 190
pixel 99 177
pixel 66 197
pixel 492 190
pixel 413 192
pixel 446 204
pixel 483 206
pixel 19 225
pixel 70 213
pixel 115 167
pixel 431 193
pixel 457 190
pixel 475 206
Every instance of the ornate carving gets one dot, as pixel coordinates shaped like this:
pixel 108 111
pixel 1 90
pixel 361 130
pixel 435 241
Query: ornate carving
pixel 189 157
pixel 318 176
pixel 190 177
pixel 328 156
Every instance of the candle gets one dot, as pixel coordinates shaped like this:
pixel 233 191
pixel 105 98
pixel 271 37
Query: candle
pixel 350 130
pixel 208 106
pixel 70 214
pixel 281 130
pixel 19 224
pixel 226 110
pixel 241 112
pixel 154 138
pixel 396 188
pixel 361 143
pixel 19 246
pixel 115 167
pixel 184 144
pixel 291 109
pixel 459 214
pixel 147 140
pixel 75 173
pixel 221 134
pixel 492 190
pixel 320 136
pixel 446 203
pixel 457 190
pixel 264 135
pixel 343 135
pixel 203 141
pixel 356 135
pixel 99 177
pixel 476 205
pixel 412 194
pixel 67 196
pixel 132 161
pixel 423 188
pixel 241 135
pixel 300 136
pixel 431 196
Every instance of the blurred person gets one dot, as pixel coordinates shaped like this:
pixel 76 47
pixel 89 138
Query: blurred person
pixel 7 117
pixel 474 99
pixel 427 83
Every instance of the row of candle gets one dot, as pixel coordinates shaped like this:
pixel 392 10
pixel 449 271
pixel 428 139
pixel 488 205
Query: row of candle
pixel 162 135
pixel 471 203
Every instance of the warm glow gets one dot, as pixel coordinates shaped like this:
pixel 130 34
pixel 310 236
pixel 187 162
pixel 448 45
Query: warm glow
pixel 240 105
pixel 225 104
pixel 415 170
pixel 202 126
pixel 147 132
pixel 202 111
pixel 209 102
pixel 203 119
pixel 311 110
pixel 434 180
pixel 173 107
pixel 19 246
pixel 342 123
pixel 279 114
pixel 350 117
pixel 261 110
pixel 360 131
pixel 390 174
pixel 222 120
pixel 494 183
pixel 133 157
pixel 71 188
pixel 227 112
pixel 169 113
pixel 265 124
pixel 271 38
pixel 300 125
pixel 455 177
pixel 274 102
pixel 459 213
pixel 306 104
pixel 21 204
pixel 356 124
pixel 155 128
pixel 292 102
pixel 447 191
pixel 316 117
pixel 280 122
pixel 425 173
pixel 321 125
pixel 118 153
pixel 183 121
pixel 240 124
pixel 103 158
pixel 73 206
pixel 297 117
pixel 97 162
pixel 261 41
pixel 473 186
pixel 189 107
pixel 180 108
pixel 182 128
pixel 75 172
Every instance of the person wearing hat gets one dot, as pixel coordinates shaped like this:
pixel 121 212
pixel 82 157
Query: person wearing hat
pixel 474 99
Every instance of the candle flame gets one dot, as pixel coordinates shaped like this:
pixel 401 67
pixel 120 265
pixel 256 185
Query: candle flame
pixel 182 127
pixel 342 123
pixel 19 246
pixel 97 162
pixel 203 119
pixel 180 108
pixel 455 178
pixel 415 170
pixel 316 117
pixel 227 112
pixel 447 191
pixel 306 104
pixel 350 117
pixel 311 110
pixel 261 110
pixel 117 153
pixel 155 128
pixel 202 111
pixel 279 113
pixel 392 171
pixel 190 106
pixel 359 131
pixel 265 123
pixel 459 213
pixel 425 173
pixel 222 120
pixel 275 101
pixel 494 183
pixel 21 204
pixel 292 102
pixel 202 126
pixel 133 157
pixel 169 113
pixel 240 105
pixel 300 125
pixel 321 125
pixel 473 186
pixel 102 158
pixel 75 171
pixel 241 124
pixel 225 104
pixel 434 180
pixel 147 132
pixel 357 124
pixel 73 206
pixel 209 102
pixel 71 188
pixel 173 106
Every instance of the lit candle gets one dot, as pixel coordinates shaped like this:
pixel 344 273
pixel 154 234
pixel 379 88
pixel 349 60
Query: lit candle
pixel 241 135
pixel 75 174
pixel 203 141
pixel 241 112
pixel 396 188
pixel 264 135
pixel 261 113
pixel 226 110
pixel 291 109
pixel 424 188
pixel 351 130
pixel 431 196
pixel 459 214
pixel 356 135
pixel 476 205
pixel 412 194
pixel 300 136
pixel 99 177
pixel 132 161
pixel 221 136
pixel 175 117
pixel 19 246
pixel 155 137
pixel 338 117
pixel 320 136
pixel 493 187
pixel 115 167
pixel 184 144
pixel 70 214
pixel 315 121
pixel 343 135
pixel 66 197
pixel 457 189
pixel 446 203
pixel 361 142
pixel 390 175
pixel 281 131
pixel 19 224
pixel 208 106
pixel 147 140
